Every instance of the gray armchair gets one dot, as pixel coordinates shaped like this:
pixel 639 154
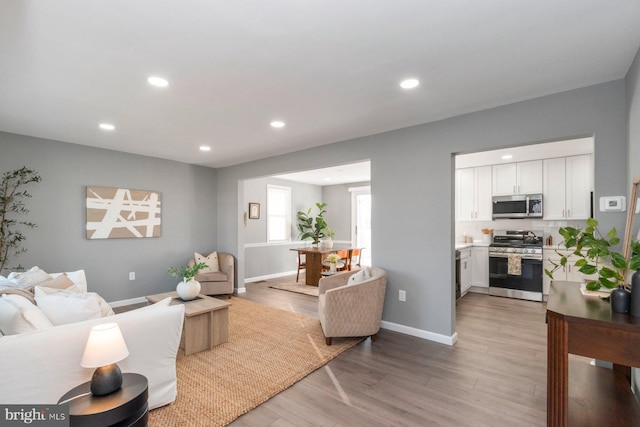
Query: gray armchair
pixel 353 310
pixel 221 282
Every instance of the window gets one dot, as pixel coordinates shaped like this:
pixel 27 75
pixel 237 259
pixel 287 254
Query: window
pixel 278 213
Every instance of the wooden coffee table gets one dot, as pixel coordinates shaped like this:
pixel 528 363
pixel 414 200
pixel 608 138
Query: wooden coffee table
pixel 206 321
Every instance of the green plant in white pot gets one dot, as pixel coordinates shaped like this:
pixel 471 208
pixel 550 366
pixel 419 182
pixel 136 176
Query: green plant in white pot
pixel 594 255
pixel 189 288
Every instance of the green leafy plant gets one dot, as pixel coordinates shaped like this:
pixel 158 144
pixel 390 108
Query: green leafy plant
pixel 594 255
pixel 186 273
pixel 12 206
pixel 314 228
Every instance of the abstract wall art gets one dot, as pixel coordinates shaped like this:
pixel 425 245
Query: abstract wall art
pixel 116 213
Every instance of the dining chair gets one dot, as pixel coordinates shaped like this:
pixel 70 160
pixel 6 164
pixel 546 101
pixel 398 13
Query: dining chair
pixel 302 264
pixel 354 259
pixel 344 256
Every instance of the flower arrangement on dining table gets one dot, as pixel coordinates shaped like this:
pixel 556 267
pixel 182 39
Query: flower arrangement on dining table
pixel 333 258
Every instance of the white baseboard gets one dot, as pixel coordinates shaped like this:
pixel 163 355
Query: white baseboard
pixel 241 290
pixel 131 301
pixel 269 276
pixel 479 290
pixel 431 336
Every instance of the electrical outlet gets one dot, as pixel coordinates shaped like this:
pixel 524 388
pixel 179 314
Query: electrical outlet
pixel 402 295
pixel 132 275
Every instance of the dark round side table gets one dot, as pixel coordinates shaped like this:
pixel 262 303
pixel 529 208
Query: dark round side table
pixel 125 407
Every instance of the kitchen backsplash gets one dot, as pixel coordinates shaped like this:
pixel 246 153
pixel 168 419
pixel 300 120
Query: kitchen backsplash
pixel 550 228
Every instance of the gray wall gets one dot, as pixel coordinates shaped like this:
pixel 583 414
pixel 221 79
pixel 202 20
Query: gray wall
pixel 412 186
pixel 58 209
pixel 269 260
pixel 338 216
pixel 303 197
pixel 272 259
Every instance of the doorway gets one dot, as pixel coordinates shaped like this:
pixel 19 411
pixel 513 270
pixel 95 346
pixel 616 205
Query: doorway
pixel 361 222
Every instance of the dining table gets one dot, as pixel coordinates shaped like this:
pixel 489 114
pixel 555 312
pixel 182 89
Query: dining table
pixel 314 260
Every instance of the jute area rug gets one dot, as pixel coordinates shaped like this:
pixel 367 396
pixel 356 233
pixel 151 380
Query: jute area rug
pixel 299 288
pixel 268 351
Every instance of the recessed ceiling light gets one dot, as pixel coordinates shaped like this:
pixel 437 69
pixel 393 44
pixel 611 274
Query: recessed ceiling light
pixel 507 157
pixel 277 124
pixel 157 81
pixel 205 148
pixel 107 126
pixel 409 83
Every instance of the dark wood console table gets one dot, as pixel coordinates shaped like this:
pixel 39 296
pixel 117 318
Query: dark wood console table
pixel 580 394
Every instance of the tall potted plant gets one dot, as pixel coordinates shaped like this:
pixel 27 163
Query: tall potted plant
pixel 12 206
pixel 314 228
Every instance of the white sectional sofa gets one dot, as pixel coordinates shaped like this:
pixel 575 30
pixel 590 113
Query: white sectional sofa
pixel 38 367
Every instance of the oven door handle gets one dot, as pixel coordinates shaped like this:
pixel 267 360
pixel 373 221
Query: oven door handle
pixel 524 256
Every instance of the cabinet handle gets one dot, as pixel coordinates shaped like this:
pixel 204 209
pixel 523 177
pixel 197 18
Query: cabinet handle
pixel 568 213
pixel 563 213
pixel 514 189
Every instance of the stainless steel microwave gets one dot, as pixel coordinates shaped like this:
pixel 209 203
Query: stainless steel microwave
pixel 518 206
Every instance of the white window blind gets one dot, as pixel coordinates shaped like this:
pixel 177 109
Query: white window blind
pixel 278 213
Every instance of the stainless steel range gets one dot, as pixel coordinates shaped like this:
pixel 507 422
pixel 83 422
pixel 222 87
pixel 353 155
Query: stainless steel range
pixel 515 264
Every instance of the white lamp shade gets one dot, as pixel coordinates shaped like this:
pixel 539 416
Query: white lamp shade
pixel 104 346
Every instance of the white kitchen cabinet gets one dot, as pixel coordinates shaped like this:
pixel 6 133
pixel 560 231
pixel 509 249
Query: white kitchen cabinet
pixel 465 271
pixel 473 194
pixel 567 183
pixel 517 178
pixel 480 266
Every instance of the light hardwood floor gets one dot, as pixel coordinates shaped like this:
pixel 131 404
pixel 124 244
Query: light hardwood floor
pixel 495 375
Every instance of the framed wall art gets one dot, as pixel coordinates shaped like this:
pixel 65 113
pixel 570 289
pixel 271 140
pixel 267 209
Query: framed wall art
pixel 254 210
pixel 116 213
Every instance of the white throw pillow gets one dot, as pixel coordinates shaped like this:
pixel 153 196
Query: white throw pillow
pixel 18 315
pixel 62 307
pixel 105 308
pixel 6 283
pixel 211 260
pixel 29 278
pixel 360 276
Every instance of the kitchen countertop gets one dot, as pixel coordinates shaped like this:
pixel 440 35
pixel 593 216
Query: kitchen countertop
pixel 470 245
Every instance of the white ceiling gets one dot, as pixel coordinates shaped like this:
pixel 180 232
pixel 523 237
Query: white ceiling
pixel 329 69
pixel 343 174
pixel 549 150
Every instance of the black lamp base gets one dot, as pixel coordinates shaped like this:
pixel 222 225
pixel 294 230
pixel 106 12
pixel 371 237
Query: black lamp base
pixel 106 380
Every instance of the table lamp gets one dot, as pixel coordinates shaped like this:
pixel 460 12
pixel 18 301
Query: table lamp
pixel 104 348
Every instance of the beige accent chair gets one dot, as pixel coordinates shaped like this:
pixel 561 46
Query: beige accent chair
pixel 351 310
pixel 221 282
